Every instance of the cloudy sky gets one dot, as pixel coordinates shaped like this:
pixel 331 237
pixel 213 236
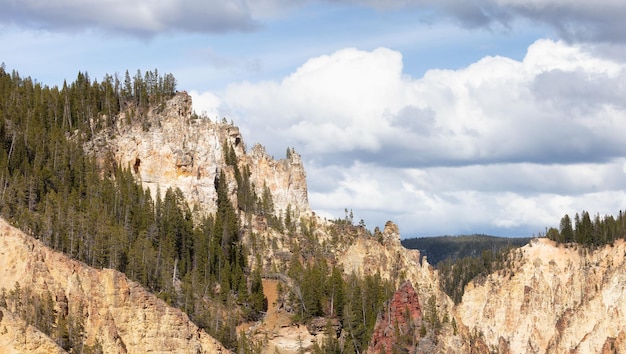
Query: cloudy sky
pixel 445 116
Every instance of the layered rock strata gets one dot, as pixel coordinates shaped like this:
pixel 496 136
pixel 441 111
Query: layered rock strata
pixel 16 336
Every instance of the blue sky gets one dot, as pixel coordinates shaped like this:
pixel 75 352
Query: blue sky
pixel 445 117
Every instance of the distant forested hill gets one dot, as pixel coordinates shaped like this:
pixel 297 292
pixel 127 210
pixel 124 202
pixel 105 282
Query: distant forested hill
pixel 439 248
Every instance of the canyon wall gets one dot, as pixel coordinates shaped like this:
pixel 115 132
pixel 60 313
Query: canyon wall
pixel 118 314
pixel 554 299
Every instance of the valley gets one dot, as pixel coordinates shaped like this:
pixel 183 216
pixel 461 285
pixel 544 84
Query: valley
pixel 130 224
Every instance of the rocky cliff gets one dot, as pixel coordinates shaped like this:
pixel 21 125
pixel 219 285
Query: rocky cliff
pixel 550 299
pixel 385 255
pixel 397 327
pixel 16 336
pixel 555 299
pixel 169 146
pixel 115 313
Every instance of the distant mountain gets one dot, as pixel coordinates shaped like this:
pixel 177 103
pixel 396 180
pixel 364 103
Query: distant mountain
pixel 439 248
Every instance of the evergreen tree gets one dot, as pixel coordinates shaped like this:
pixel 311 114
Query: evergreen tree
pixel 567 232
pixel 257 300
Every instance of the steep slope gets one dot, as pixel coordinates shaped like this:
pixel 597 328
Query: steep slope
pixel 171 147
pixel 385 255
pixel 117 314
pixel 555 299
pixel 402 318
pixel 16 336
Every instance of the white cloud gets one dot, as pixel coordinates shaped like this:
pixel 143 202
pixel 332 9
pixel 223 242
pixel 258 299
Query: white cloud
pixel 510 199
pixel 360 104
pixel 206 104
pixel 501 146
pixel 341 95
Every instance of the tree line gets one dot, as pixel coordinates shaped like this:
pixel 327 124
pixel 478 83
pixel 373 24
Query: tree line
pixel 455 274
pixel 440 248
pixel 319 290
pixel 589 231
pixel 583 230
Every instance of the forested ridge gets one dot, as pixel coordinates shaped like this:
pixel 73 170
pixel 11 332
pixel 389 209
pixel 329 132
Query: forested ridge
pixel 50 188
pixel 440 248
pixel 586 231
pixel 589 231
pixel 461 259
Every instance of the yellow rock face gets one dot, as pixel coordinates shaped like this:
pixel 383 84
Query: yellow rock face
pixel 18 337
pixel 117 313
pixel 556 300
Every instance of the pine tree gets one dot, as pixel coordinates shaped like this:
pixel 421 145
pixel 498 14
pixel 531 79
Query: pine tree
pixel 567 232
pixel 256 299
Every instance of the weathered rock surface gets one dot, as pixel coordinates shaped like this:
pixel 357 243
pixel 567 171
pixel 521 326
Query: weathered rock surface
pixel 557 299
pixel 285 178
pixel 402 317
pixel 118 313
pixel 386 255
pixel 170 147
pixel 18 337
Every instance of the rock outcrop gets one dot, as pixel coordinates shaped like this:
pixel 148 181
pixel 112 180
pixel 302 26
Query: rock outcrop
pixel 555 299
pixel 402 317
pixel 385 255
pixel 16 336
pixel 171 147
pixel 285 178
pixel 117 313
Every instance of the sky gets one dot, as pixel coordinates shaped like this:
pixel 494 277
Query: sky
pixel 447 117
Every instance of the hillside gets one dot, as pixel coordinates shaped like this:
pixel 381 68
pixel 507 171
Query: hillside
pixel 125 177
pixel 96 310
pixel 440 248
pixel 131 224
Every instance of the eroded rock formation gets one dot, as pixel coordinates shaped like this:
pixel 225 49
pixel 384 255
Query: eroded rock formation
pixel 401 318
pixel 171 147
pixel 383 254
pixel 16 336
pixel 116 313
pixel 554 299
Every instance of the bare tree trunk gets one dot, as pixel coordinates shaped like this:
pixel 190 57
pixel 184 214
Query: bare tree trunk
pixel 174 275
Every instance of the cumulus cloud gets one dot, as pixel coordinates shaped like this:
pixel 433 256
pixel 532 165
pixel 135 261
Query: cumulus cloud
pixel 503 199
pixel 206 104
pixel 502 145
pixel 561 104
